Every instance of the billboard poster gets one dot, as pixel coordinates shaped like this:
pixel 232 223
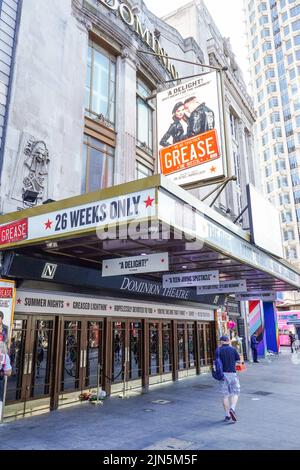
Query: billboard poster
pixel 136 264
pixel 256 324
pixel 202 278
pixel 190 131
pixel 7 300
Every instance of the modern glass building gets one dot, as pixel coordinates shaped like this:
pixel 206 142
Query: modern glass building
pixel 273 32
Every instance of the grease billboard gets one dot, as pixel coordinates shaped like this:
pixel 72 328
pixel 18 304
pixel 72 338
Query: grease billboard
pixel 190 131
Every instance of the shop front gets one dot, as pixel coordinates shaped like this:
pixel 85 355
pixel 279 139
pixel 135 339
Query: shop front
pixel 63 345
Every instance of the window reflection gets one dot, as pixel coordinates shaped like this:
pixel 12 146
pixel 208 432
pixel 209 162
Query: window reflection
pixel 94 354
pixel 16 354
pixel 135 366
pixel 118 352
pixel 41 366
pixel 191 345
pixel 98 165
pixel 100 84
pixel 70 372
pixel 154 349
pixel 181 346
pixel 166 338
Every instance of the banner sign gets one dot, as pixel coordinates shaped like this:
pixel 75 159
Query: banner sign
pixel 25 267
pixel 263 296
pixel 7 298
pixel 54 303
pixel 189 131
pixel 225 287
pixel 263 214
pixel 136 264
pixel 14 232
pixel 204 278
pixel 232 307
pixel 73 219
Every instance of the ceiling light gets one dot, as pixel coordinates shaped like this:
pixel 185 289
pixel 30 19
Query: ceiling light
pixel 51 245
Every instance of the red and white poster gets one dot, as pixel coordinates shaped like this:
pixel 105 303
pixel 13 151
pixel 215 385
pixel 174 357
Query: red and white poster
pixel 189 124
pixel 14 232
pixel 7 301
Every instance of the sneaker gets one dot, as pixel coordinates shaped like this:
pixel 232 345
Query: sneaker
pixel 227 419
pixel 232 414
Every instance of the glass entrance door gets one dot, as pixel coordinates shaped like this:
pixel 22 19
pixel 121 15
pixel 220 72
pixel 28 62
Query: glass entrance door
pixel 160 351
pixel 126 355
pixel 206 343
pixel 81 358
pixel 31 353
pixel 71 356
pixel 44 376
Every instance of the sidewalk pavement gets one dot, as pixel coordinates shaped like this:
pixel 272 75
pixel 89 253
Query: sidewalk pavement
pixel 186 415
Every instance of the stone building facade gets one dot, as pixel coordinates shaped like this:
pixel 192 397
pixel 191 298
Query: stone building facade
pixel 86 121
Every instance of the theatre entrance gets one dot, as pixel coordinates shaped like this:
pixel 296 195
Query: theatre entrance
pixel 54 359
pixel 30 387
pixel 126 354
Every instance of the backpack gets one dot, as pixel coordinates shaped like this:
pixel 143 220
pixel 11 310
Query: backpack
pixel 217 368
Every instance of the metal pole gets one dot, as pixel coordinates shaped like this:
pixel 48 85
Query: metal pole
pixel 226 140
pixel 98 376
pixel 185 78
pixel 219 192
pixel 213 67
pixel 240 215
pixel 213 191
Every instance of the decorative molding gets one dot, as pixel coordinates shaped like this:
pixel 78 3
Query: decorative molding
pixel 129 54
pixel 82 19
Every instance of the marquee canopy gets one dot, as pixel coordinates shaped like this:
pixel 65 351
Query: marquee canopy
pixel 147 216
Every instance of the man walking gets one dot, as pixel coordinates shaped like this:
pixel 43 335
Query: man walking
pixel 230 386
pixel 254 346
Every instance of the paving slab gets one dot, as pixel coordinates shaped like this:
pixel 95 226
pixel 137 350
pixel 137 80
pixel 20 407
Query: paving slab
pixel 183 415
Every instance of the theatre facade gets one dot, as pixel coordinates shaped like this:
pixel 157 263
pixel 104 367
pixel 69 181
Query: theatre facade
pixel 80 193
pixel 75 328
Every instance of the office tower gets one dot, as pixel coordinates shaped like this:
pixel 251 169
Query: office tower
pixel 273 36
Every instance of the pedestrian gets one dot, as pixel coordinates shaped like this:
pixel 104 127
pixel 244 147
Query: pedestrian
pixel 292 340
pixel 230 385
pixel 254 346
pixel 3 329
pixel 5 370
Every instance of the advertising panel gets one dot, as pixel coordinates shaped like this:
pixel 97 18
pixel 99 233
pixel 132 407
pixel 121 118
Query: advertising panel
pixel 265 223
pixel 190 131
pixel 136 264
pixel 202 278
pixel 7 301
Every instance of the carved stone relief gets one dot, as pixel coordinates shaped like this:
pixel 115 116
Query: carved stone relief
pixel 32 169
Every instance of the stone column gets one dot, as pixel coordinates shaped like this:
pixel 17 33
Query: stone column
pixel 125 154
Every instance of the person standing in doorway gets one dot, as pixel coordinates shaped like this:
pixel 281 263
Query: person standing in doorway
pixel 3 330
pixel 254 346
pixel 5 370
pixel 292 341
pixel 230 386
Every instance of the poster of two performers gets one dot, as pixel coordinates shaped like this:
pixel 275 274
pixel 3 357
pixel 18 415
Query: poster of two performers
pixel 189 129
